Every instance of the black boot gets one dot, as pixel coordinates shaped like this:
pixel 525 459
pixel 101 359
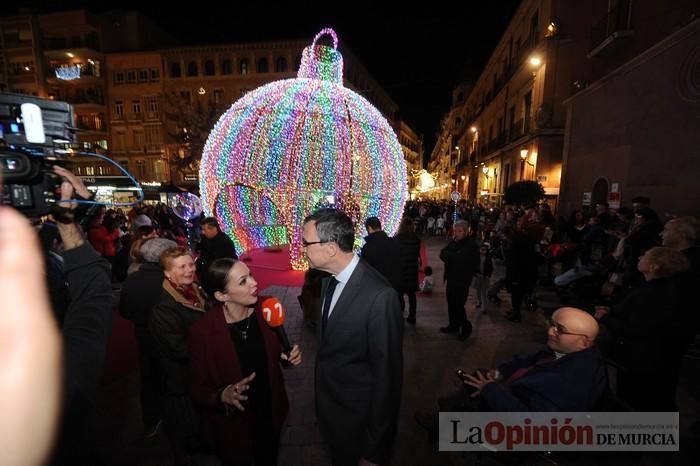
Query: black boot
pixel 464 331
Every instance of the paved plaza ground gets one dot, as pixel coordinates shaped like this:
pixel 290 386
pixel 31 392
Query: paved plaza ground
pixel 430 359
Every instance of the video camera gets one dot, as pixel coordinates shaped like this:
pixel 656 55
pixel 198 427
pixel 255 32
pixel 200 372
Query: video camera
pixel 35 135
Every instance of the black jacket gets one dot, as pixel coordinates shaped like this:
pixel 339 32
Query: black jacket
pixel 384 254
pixel 169 324
pixel 218 247
pixel 461 260
pixel 87 326
pixel 409 247
pixel 140 293
pixel 647 328
pixel 521 260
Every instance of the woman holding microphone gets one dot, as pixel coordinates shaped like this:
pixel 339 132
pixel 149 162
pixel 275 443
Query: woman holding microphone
pixel 237 383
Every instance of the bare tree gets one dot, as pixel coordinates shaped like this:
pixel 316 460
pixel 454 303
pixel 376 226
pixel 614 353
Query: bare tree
pixel 189 121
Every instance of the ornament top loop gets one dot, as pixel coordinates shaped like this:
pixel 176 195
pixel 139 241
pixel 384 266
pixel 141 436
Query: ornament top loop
pixel 331 33
pixel 321 61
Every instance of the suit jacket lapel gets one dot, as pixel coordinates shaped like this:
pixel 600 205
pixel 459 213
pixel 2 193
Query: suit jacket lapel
pixel 351 289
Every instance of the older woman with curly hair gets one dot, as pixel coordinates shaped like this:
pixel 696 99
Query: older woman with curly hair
pixel 180 305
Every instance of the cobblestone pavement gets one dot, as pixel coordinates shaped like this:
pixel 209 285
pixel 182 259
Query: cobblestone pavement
pixel 430 359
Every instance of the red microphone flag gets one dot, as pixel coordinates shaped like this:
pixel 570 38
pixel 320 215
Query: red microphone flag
pixel 273 312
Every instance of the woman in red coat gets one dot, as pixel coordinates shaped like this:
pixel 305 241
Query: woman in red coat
pixel 237 381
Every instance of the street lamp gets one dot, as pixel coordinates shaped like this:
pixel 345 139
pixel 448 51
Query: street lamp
pixel 523 159
pixel 485 169
pixel 535 63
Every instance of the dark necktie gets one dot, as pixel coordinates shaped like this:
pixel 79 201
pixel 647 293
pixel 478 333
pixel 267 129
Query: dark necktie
pixel 327 302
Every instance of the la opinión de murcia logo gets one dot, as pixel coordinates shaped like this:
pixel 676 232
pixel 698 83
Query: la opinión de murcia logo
pixel 559 431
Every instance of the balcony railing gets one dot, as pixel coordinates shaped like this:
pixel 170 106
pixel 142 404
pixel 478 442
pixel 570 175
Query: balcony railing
pixel 154 148
pixel 618 21
pixel 95 100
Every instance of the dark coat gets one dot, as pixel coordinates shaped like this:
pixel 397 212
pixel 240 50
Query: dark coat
pixel 573 382
pixel 647 326
pixel 359 368
pixel 220 246
pixel 87 326
pixel 521 261
pixel 215 365
pixel 486 269
pixel 461 260
pixel 140 293
pixel 384 254
pixel 409 247
pixel 169 323
pixel 650 331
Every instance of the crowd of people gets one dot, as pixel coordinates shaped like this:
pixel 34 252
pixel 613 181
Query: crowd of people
pixel 627 269
pixel 212 369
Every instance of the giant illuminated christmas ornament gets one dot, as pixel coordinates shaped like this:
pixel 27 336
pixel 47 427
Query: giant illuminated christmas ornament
pixel 294 145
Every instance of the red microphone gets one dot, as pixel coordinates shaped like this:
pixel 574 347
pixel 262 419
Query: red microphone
pixel 274 314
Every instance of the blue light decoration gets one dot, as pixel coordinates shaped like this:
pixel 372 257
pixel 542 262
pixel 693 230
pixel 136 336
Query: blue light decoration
pixel 68 72
pixel 288 147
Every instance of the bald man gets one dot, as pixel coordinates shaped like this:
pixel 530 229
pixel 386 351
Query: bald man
pixel 568 376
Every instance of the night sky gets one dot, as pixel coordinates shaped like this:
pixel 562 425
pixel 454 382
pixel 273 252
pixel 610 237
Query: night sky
pixel 416 53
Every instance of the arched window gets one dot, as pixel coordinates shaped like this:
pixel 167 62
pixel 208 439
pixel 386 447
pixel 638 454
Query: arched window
pixel 226 67
pixel 192 69
pixel 244 66
pixel 263 66
pixel 281 65
pixel 175 71
pixel 209 69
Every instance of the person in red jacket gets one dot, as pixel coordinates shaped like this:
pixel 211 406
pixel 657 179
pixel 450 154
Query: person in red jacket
pixel 236 379
pixel 103 233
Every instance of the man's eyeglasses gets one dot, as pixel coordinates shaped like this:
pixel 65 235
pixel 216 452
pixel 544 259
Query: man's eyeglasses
pixel 559 329
pixel 306 244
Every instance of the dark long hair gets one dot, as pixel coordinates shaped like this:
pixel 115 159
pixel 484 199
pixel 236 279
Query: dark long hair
pixel 406 227
pixel 215 278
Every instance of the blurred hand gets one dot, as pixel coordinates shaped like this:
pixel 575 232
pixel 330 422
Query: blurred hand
pixel 294 357
pixel 75 181
pixel 71 234
pixel 234 394
pixel 479 381
pixel 30 360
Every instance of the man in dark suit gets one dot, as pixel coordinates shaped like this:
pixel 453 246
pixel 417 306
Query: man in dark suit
pixel 461 258
pixel 215 244
pixel 360 362
pixel 383 253
pixel 569 375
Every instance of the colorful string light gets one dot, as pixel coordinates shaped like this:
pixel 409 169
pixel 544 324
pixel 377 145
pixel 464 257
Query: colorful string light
pixel 291 146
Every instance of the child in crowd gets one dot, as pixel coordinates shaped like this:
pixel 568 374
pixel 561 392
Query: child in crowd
pixel 428 283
